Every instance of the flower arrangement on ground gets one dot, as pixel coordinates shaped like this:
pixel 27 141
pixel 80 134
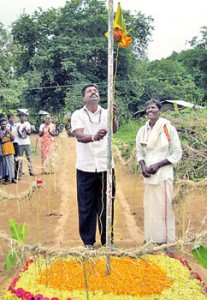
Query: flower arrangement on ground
pixel 149 277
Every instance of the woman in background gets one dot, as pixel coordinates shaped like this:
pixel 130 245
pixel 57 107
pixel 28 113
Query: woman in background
pixel 47 133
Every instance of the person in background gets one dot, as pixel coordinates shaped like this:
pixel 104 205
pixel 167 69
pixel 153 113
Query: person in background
pixel 1 163
pixel 1 156
pixel 89 127
pixel 47 134
pixel 24 131
pixel 158 149
pixel 12 127
pixel 7 137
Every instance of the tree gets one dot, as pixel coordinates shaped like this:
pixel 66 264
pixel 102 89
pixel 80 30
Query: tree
pixel 10 87
pixel 195 62
pixel 169 79
pixel 63 49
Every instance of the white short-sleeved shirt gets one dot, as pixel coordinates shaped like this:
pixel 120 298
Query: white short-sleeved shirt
pixel 91 157
pixel 25 140
pixel 171 151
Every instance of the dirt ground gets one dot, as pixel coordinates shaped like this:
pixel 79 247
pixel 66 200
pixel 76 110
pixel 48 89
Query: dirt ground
pixel 58 217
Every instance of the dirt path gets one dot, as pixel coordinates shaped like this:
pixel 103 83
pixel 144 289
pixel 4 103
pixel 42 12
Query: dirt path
pixel 126 230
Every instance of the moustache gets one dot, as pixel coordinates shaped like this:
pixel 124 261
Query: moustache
pixel 94 95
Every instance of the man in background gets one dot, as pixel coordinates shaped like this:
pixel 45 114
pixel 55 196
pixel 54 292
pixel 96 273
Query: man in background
pixel 24 131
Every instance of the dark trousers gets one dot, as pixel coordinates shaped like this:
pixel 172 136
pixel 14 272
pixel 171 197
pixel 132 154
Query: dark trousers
pixel 91 190
pixel 27 150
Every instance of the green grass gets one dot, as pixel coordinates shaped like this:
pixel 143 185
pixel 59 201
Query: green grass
pixel 128 130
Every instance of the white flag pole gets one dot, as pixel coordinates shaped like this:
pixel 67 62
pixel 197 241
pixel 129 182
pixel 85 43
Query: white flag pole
pixel 110 129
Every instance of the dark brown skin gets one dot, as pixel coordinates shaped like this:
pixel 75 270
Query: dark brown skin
pixel 47 123
pixel 91 99
pixel 28 131
pixel 4 129
pixel 153 114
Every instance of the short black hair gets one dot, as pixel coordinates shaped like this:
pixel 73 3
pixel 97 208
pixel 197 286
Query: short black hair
pixel 10 115
pixel 21 114
pixel 156 102
pixel 2 120
pixel 86 86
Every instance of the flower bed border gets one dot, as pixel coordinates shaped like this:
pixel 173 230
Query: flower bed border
pixel 25 295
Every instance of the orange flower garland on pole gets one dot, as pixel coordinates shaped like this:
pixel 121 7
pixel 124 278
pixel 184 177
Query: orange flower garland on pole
pixel 120 35
pixel 120 31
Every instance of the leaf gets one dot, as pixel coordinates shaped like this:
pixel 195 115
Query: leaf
pixel 18 232
pixel 200 254
pixel 23 229
pixel 10 260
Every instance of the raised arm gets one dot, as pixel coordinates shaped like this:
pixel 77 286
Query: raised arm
pixel 88 138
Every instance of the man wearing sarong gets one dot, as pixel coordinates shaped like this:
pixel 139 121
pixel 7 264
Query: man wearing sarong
pixel 158 149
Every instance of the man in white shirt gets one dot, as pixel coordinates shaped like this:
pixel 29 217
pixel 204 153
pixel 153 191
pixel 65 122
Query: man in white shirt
pixel 158 148
pixel 24 131
pixel 89 126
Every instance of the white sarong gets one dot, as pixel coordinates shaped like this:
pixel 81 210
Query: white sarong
pixel 159 219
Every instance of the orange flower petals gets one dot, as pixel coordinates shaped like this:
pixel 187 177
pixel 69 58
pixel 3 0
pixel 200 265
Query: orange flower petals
pixel 118 33
pixel 125 41
pixel 128 276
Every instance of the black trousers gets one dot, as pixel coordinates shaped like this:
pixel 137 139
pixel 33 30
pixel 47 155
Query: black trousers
pixel 91 191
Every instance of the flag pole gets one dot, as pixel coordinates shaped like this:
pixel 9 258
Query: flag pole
pixel 110 131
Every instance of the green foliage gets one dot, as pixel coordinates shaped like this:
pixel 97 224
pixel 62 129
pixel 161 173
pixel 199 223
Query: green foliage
pixel 192 130
pixel 195 61
pixel 61 50
pixel 170 80
pixel 125 138
pixel 128 129
pixel 10 87
pixel 11 259
pixel 200 254
pixel 12 96
pixel 50 55
pixel 18 233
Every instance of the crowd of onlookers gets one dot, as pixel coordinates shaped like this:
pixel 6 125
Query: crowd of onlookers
pixel 14 142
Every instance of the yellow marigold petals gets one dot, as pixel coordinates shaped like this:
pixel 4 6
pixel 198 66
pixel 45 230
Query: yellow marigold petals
pixel 128 276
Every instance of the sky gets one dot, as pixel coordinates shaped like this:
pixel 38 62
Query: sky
pixel 175 22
